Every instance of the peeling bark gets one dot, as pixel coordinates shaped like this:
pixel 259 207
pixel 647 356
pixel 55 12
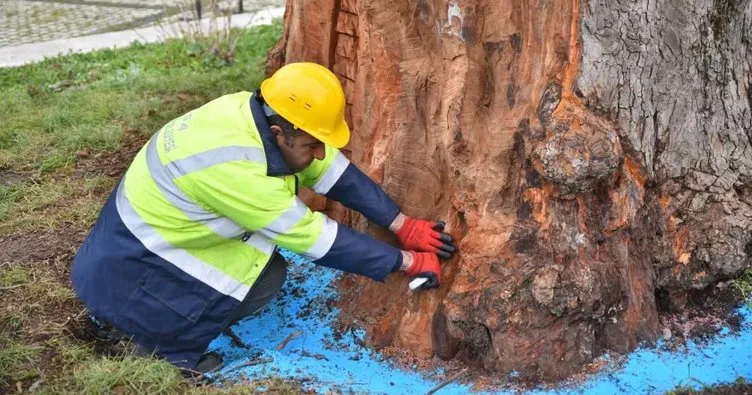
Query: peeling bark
pixel 588 155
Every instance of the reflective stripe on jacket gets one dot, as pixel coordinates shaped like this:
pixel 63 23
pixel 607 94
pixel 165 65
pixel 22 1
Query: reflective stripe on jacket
pixel 197 217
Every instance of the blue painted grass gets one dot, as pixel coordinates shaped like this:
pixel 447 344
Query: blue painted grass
pixel 326 360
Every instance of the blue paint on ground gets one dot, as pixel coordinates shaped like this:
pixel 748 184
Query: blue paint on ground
pixel 327 360
pixel 721 360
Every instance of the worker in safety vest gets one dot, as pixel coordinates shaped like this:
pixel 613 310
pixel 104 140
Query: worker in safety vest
pixel 186 244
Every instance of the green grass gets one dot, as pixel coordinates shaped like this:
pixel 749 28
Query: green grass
pixel 744 285
pixel 53 109
pixel 56 110
pixel 14 276
pixel 138 375
pixel 739 386
pixel 49 202
pixel 17 363
pixel 70 126
pixel 32 195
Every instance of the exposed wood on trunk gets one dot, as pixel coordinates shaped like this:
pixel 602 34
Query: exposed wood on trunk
pixel 588 155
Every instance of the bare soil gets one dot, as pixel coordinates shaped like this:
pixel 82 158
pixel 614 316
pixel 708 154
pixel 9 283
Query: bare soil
pixel 112 164
pixel 706 313
pixel 40 245
pixel 8 178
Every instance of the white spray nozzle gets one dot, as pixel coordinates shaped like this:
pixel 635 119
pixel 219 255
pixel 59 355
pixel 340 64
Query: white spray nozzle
pixel 417 283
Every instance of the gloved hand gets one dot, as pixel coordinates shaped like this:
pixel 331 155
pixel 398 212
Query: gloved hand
pixel 424 236
pixel 425 264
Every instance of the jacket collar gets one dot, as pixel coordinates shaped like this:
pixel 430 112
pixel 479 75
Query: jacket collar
pixel 275 164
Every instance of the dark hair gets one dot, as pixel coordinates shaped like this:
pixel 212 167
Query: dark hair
pixel 288 129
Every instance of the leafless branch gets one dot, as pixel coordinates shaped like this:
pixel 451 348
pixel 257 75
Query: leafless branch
pixel 447 381
pixel 12 287
pixel 288 339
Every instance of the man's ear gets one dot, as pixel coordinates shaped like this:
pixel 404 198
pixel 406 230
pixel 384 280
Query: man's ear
pixel 277 133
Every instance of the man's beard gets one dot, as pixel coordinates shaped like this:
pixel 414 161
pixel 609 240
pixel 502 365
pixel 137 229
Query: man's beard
pixel 298 169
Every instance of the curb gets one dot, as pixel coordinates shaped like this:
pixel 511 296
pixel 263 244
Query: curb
pixel 34 52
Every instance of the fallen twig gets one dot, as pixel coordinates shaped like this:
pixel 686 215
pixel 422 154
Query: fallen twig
pixel 74 318
pixel 203 376
pixel 80 313
pixel 447 381
pixel 195 373
pixel 288 339
pixel 12 287
pixel 253 362
pixel 236 340
pixel 317 356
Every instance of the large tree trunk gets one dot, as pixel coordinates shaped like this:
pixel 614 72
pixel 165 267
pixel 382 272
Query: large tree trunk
pixel 588 156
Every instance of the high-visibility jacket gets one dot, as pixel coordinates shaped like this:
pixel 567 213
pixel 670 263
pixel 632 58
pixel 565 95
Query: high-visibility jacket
pixel 197 217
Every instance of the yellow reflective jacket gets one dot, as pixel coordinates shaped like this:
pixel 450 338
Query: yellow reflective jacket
pixel 198 216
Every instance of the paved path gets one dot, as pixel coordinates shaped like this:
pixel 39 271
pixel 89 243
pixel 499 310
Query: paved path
pixel 29 21
pixel 26 53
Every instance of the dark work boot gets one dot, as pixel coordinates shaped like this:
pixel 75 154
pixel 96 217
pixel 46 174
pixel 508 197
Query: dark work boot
pixel 105 332
pixel 208 362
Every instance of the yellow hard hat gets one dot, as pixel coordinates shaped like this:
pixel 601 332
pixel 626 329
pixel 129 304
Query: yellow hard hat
pixel 311 98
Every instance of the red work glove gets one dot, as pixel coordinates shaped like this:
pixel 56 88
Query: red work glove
pixel 425 264
pixel 424 236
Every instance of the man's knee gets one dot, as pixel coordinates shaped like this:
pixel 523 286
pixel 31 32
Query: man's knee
pixel 274 276
pixel 264 289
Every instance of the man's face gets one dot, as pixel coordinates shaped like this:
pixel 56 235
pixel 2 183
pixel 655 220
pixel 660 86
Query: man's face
pixel 300 150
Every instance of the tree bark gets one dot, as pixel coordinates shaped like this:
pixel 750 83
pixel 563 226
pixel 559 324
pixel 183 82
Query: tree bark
pixel 587 156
